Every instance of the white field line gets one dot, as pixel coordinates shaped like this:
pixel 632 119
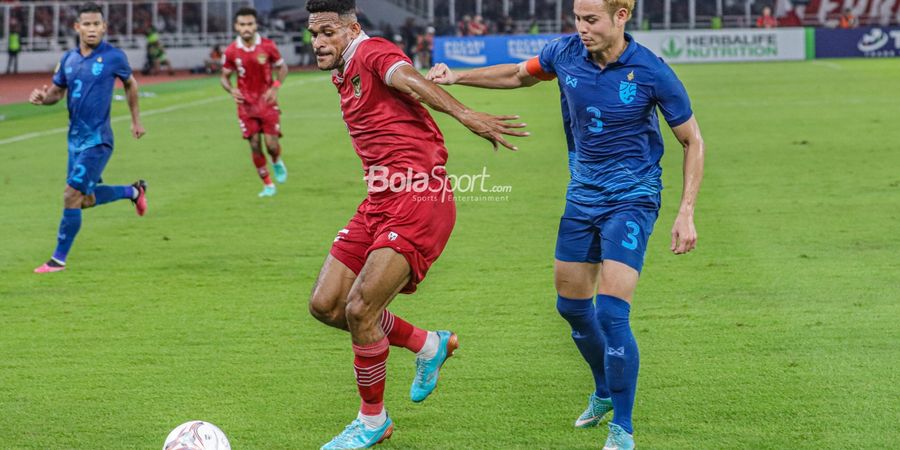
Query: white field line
pixel 152 112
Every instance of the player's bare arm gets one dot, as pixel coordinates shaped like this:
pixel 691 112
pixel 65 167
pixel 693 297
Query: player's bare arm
pixel 131 94
pixel 225 81
pixel 684 234
pixel 271 95
pixel 47 95
pixel 408 80
pixel 501 76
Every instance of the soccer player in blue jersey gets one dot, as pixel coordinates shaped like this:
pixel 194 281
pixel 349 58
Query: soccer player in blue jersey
pixel 86 75
pixel 611 88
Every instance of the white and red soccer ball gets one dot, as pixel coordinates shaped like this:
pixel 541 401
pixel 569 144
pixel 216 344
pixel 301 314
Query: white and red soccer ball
pixel 196 435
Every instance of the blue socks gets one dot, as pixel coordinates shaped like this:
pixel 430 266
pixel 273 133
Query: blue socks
pixel 68 228
pixel 587 336
pixel 106 194
pixel 622 359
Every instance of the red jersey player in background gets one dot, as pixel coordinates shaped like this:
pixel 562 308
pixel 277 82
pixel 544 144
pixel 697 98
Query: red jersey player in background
pixel 402 226
pixel 256 95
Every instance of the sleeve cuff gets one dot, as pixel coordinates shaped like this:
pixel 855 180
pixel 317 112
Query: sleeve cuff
pixel 390 72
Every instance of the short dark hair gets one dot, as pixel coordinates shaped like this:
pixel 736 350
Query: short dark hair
pixel 341 7
pixel 246 11
pixel 89 7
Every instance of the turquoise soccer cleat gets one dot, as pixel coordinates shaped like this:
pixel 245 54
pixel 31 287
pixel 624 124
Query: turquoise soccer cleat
pixel 356 435
pixel 280 171
pixel 618 439
pixel 427 369
pixel 596 409
pixel 268 191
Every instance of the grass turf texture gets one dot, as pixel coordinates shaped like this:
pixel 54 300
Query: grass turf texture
pixel 779 331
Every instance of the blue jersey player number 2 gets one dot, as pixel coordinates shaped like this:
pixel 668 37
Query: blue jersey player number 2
pixel 86 76
pixel 611 88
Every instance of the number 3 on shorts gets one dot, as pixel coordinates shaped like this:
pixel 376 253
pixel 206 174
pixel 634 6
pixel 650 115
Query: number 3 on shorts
pixel 633 230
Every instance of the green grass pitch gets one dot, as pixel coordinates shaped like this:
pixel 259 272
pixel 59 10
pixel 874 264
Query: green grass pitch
pixel 780 331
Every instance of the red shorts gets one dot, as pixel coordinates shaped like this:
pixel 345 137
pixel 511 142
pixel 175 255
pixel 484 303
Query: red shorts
pixel 416 225
pixel 260 117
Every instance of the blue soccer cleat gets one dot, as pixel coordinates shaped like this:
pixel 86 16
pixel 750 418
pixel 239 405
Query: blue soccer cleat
pixel 596 409
pixel 268 191
pixel 280 171
pixel 356 435
pixel 427 369
pixel 618 439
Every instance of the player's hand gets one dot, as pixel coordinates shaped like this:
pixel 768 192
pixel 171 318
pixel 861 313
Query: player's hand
pixel 684 235
pixel 137 130
pixel 271 95
pixel 38 95
pixel 238 97
pixel 441 74
pixel 493 127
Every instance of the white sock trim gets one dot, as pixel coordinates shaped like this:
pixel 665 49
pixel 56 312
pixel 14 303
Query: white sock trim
pixel 373 422
pixel 429 350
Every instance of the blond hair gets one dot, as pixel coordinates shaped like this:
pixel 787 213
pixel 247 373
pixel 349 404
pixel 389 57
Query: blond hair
pixel 614 5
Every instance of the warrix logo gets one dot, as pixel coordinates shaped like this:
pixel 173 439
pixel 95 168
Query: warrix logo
pixel 571 81
pixel 615 351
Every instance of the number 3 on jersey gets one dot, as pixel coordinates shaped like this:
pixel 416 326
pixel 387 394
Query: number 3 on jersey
pixel 595 113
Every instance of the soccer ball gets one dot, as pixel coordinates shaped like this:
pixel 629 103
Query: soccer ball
pixel 196 435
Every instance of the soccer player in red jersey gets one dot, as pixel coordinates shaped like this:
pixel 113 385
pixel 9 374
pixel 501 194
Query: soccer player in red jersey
pixel 256 95
pixel 402 226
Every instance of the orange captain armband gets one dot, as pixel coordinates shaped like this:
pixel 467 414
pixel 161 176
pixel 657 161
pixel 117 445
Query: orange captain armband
pixel 533 66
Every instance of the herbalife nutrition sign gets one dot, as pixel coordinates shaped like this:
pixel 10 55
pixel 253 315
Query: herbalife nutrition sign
pixel 726 45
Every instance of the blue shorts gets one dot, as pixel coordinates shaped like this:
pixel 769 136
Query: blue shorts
pixel 86 167
pixel 593 234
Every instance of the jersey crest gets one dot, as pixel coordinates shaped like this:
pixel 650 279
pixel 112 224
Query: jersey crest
pixel 627 89
pixel 357 86
pixel 262 58
pixel 97 68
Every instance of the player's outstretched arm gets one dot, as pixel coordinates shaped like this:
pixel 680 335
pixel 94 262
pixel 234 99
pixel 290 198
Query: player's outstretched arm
pixel 501 76
pixel 684 234
pixel 47 95
pixel 408 80
pixel 131 94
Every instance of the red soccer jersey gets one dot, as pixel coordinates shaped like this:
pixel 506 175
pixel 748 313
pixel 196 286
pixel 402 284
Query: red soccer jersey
pixel 253 66
pixel 389 129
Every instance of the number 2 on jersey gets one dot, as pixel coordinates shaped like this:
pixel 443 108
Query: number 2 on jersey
pixel 77 92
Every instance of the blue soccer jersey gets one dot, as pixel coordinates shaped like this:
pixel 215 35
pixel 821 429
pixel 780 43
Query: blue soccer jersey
pixel 613 122
pixel 90 81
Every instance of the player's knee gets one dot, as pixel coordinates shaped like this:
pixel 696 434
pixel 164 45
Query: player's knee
pixel 88 201
pixel 72 198
pixel 324 310
pixel 358 311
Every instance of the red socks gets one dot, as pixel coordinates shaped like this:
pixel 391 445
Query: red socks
pixel 371 370
pixel 401 333
pixel 259 160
